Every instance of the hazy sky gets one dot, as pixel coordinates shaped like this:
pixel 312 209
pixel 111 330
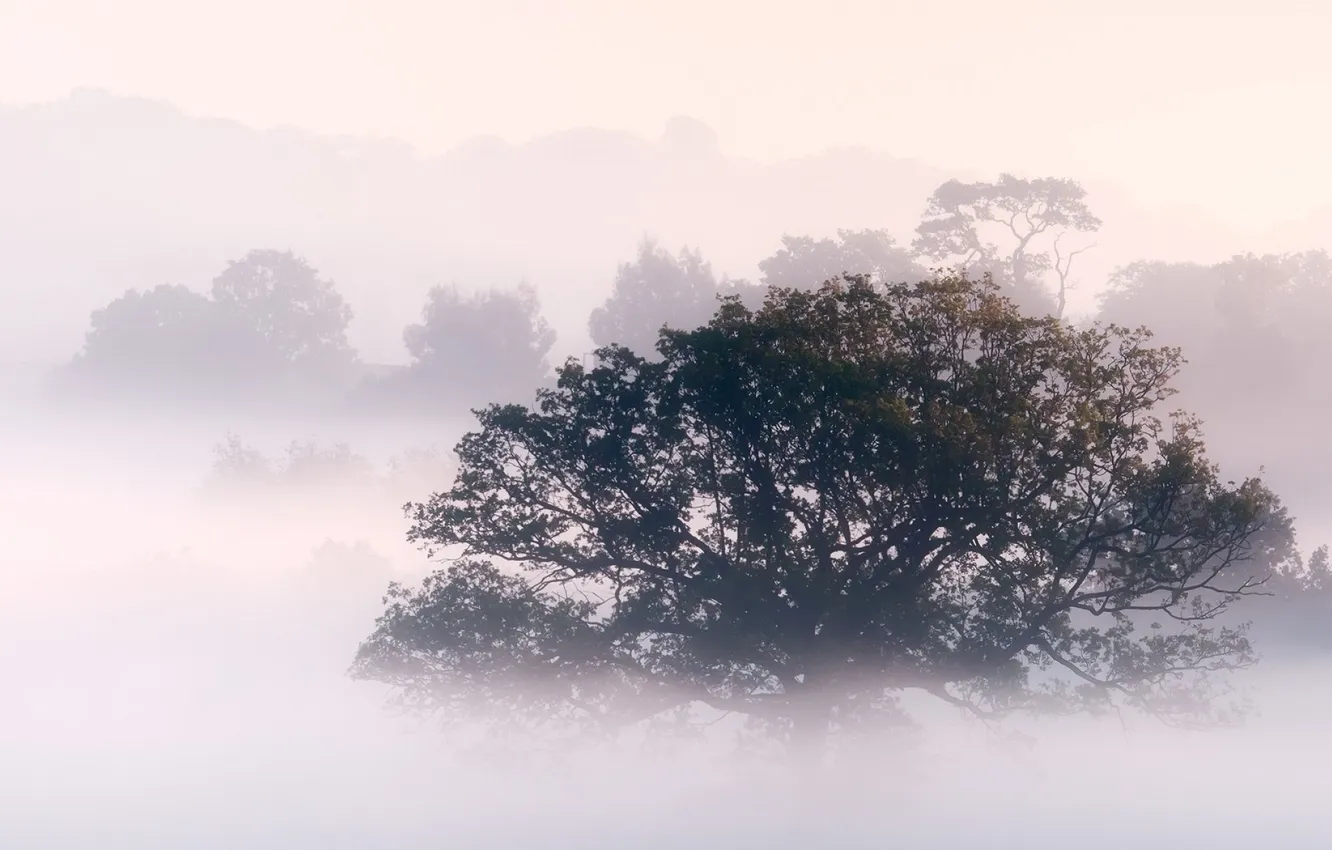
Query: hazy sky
pixel 1218 103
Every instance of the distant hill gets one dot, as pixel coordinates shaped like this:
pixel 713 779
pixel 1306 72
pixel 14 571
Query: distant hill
pixel 99 193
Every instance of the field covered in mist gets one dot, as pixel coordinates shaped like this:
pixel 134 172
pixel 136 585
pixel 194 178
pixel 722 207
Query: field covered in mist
pixel 813 433
pixel 179 657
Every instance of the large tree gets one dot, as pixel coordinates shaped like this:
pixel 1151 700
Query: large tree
pixel 1012 228
pixel 801 512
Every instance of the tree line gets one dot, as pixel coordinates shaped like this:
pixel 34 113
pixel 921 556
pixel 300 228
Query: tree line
pixel 271 327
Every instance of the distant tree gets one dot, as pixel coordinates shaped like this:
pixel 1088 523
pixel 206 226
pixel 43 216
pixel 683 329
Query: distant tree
pixel 168 341
pixel 1295 621
pixel 806 263
pixel 304 464
pixel 799 513
pixel 470 349
pixel 1280 302
pixel 1251 320
pixel 1174 295
pixel 498 339
pixel 237 464
pixel 309 464
pixel 1011 228
pixel 271 330
pixel 300 317
pixel 659 289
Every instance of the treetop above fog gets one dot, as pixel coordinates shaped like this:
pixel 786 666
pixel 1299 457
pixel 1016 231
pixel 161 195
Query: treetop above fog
pixel 799 511
pixel 300 316
pixel 1011 228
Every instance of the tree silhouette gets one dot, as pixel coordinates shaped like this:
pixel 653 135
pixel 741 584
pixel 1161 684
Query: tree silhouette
pixel 271 330
pixel 805 263
pixel 659 290
pixel 165 342
pixel 995 227
pixel 1294 620
pixel 467 350
pixel 501 335
pixel 1256 320
pixel 300 317
pixel 799 513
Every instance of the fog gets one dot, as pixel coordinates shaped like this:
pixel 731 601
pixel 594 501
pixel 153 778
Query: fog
pixel 177 667
pixel 202 489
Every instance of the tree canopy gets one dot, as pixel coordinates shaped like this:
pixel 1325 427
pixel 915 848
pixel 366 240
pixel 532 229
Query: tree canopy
pixel 301 317
pixel 997 227
pixel 659 289
pixel 1256 320
pixel 497 340
pixel 800 512
pixel 804 262
pixel 270 328
pixel 166 341
pixel 468 350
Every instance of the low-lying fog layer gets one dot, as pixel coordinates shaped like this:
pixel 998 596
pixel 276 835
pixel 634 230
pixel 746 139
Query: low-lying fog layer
pixel 176 680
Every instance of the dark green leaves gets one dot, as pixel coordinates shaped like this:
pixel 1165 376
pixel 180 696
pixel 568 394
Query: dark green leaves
pixel 855 490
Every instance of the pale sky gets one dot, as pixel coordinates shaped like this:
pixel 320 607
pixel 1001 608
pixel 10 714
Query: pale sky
pixel 1218 104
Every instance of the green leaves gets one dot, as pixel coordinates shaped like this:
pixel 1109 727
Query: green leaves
pixel 861 489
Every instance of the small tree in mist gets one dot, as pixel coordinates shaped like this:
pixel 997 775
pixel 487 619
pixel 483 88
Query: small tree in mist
pixel 1295 621
pixel 802 512
pixel 470 349
pixel 237 464
pixel 270 331
pixel 167 342
pixel 415 473
pixel 804 262
pixel 305 464
pixel 659 289
pixel 300 317
pixel 1013 228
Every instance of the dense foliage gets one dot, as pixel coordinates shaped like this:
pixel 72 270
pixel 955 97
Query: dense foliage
pixel 799 512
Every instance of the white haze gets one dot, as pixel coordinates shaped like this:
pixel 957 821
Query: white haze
pixel 174 665
pixel 176 679
pixel 105 193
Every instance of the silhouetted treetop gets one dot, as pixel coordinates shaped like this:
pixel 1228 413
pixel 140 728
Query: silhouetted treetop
pixel 1011 228
pixel 659 289
pixel 166 327
pixel 1256 321
pixel 165 341
pixel 500 333
pixel 471 349
pixel 806 263
pixel 300 316
pixel 801 511
pixel 271 331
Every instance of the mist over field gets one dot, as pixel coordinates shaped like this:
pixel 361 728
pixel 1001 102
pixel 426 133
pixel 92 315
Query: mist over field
pixel 722 426
pixel 179 681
